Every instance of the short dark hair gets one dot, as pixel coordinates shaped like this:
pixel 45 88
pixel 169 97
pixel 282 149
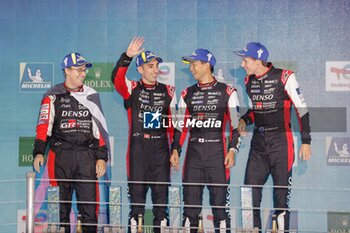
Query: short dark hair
pixel 264 63
pixel 211 67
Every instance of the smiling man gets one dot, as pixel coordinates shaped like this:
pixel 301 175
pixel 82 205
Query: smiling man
pixel 146 101
pixel 272 92
pixel 209 157
pixel 71 122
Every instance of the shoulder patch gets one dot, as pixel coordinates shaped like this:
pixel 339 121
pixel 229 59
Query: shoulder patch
pixel 230 90
pixel 133 85
pixel 285 75
pixel 171 90
pixel 184 93
pixel 246 79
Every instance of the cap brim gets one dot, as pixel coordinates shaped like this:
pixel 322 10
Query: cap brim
pixel 240 53
pixel 87 64
pixel 160 60
pixel 188 59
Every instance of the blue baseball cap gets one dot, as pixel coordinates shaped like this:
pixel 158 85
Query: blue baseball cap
pixel 254 50
pixel 200 55
pixel 74 60
pixel 146 57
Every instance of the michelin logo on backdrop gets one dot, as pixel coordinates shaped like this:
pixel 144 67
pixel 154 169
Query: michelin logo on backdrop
pixel 35 76
pixel 338 151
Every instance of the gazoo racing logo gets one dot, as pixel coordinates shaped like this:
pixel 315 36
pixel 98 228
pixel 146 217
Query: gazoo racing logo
pixel 262 97
pixel 68 124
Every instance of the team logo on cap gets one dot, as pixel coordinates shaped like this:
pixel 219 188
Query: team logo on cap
pixel 260 52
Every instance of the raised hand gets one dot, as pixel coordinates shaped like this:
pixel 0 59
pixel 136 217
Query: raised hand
pixel 135 45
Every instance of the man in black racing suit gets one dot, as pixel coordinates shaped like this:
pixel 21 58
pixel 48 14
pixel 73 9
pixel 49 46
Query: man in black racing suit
pixel 146 101
pixel 71 122
pixel 272 92
pixel 205 109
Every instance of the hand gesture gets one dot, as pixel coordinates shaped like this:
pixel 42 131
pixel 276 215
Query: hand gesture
pixel 135 45
pixel 305 152
pixel 241 128
pixel 100 168
pixel 229 159
pixel 38 162
pixel 174 159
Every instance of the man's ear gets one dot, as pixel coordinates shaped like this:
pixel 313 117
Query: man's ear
pixel 65 72
pixel 140 69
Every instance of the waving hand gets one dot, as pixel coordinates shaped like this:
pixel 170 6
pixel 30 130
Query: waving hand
pixel 135 45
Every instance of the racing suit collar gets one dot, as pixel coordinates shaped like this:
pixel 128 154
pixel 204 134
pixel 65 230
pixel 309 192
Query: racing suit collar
pixel 78 89
pixel 269 65
pixel 148 86
pixel 204 86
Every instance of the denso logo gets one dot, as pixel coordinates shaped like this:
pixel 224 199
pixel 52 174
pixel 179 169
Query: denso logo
pixel 204 108
pixel 75 113
pixel 149 108
pixel 262 97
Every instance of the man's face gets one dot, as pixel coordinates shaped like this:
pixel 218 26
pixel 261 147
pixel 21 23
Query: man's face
pixel 149 71
pixel 75 76
pixel 199 69
pixel 250 65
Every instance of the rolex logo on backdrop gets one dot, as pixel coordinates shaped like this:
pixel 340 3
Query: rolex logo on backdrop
pixel 99 77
